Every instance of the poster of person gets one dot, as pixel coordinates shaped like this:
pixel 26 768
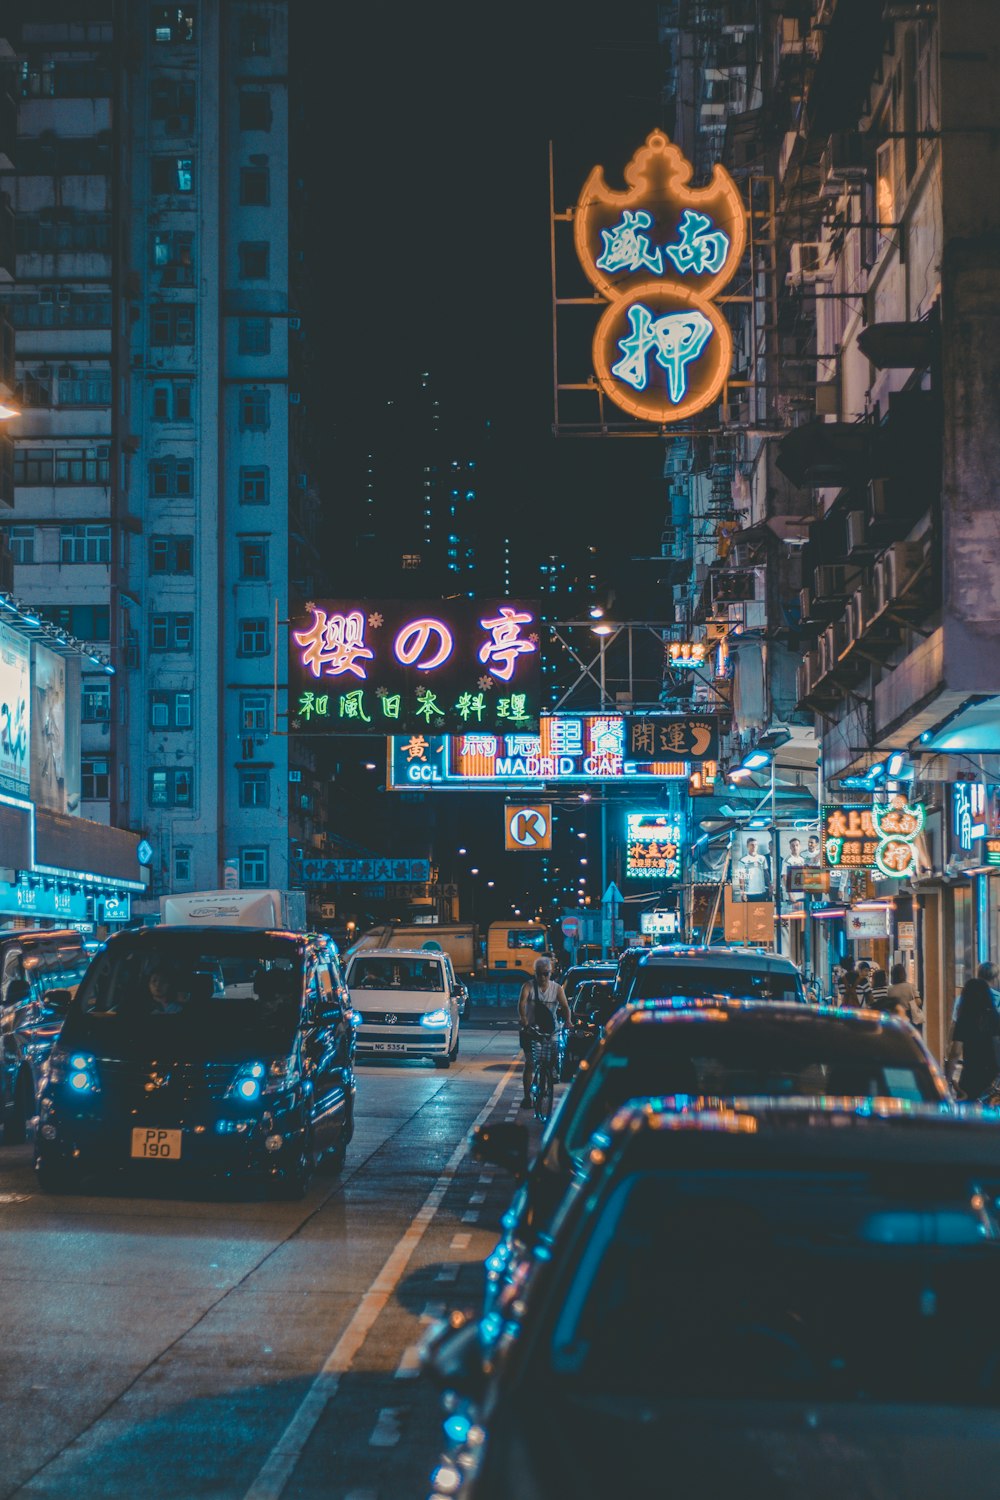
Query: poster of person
pixel 15 712
pixel 798 848
pixel 752 865
pixel 48 725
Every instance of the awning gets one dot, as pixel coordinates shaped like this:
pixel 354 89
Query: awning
pixel 834 453
pixel 898 346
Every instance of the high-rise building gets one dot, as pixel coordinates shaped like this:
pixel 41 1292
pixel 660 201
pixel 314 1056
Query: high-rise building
pixel 163 501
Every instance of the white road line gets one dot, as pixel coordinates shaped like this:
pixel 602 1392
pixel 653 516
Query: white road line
pixel 387 1429
pixel 460 1242
pixel 280 1463
pixel 477 1198
pixel 409 1366
pixel 471 1217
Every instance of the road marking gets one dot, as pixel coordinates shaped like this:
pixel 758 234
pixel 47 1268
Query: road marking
pixel 448 1273
pixel 280 1464
pixel 471 1217
pixel 477 1198
pixel 460 1242
pixel 14 1197
pixel 387 1428
pixel 409 1366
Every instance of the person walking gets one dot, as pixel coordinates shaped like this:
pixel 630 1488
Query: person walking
pixel 988 974
pixel 975 1043
pixel 903 999
pixel 849 995
pixel 541 1004
pixel 864 981
pixel 878 994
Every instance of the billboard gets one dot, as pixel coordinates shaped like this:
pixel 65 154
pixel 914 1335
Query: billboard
pixel 653 846
pixel 48 730
pixel 15 712
pixel 566 749
pixel 386 666
pixel 527 827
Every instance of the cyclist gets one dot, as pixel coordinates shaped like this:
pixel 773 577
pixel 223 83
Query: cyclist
pixel 541 1004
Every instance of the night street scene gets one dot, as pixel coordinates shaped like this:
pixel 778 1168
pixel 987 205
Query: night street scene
pixel 499 750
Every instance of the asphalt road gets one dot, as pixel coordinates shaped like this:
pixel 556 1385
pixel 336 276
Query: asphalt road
pixel 174 1346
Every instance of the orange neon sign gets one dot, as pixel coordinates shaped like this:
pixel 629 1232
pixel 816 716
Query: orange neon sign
pixel 659 252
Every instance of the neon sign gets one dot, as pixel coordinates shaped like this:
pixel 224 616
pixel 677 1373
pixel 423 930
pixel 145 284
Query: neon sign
pixel 391 666
pixel 652 846
pixel 687 653
pixel 969 820
pixel 659 252
pixel 898 824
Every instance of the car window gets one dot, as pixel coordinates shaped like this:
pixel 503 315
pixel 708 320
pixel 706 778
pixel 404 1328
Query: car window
pixel 387 971
pixel 661 980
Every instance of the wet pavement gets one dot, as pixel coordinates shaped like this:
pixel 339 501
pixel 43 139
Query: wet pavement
pixel 177 1346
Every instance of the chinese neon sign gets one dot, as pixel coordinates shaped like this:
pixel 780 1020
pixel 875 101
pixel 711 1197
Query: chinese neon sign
pixel 652 846
pixel 969 814
pixel 390 666
pixel 897 822
pixel 659 252
pixel 849 838
pixel 687 653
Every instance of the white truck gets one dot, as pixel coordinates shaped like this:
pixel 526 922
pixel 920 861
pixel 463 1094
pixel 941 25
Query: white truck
pixel 268 909
pixel 457 939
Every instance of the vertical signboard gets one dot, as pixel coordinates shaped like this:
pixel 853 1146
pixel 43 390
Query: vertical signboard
pixel 15 712
pixel 48 729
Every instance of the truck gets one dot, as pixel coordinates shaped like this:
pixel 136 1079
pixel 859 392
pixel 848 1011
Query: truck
pixel 268 909
pixel 457 939
pixel 516 945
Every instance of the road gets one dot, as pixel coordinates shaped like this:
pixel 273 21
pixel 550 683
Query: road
pixel 172 1347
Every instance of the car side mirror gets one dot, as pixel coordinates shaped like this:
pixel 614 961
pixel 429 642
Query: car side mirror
pixel 452 1356
pixel 17 991
pixel 57 1001
pixel 504 1144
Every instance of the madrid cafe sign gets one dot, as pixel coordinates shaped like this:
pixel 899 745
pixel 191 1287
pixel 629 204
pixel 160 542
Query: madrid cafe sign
pixel 659 252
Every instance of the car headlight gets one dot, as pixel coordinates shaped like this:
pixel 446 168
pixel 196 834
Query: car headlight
pixel 77 1070
pixel 252 1079
pixel 355 1017
pixel 435 1018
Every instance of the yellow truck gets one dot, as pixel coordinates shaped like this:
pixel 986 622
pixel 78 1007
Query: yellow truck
pixel 516 945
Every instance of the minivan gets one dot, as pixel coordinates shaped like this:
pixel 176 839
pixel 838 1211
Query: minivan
pixel 406 1003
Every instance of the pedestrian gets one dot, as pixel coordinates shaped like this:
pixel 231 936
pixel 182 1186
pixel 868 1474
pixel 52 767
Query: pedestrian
pixel 878 994
pixel 840 974
pixel 849 995
pixel 903 998
pixel 988 974
pixel 864 981
pixel 541 1002
pixel 975 1042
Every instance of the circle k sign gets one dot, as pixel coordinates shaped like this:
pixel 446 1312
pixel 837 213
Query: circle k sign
pixel 528 827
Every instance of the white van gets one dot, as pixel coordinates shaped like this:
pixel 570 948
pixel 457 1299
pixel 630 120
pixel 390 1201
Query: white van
pixel 407 1001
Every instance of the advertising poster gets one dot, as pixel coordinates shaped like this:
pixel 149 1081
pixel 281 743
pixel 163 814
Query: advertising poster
pixel 798 849
pixel 15 712
pixel 48 723
pixel 752 865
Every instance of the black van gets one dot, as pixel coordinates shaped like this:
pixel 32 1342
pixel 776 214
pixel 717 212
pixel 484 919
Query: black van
pixel 213 1051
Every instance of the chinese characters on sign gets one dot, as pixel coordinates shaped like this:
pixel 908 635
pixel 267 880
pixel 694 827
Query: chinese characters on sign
pixel 652 846
pixel 661 737
pixel 849 838
pixel 660 252
pixel 387 666
pixel 880 837
pixel 349 871
pixel 969 814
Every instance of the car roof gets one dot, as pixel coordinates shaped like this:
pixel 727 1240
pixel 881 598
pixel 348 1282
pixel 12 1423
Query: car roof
pixel 366 953
pixel 194 929
pixel 723 958
pixel 34 935
pixel 680 1010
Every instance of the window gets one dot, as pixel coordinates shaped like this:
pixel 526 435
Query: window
pixel 253 866
pixel 171 554
pixel 173 787
pixel 170 710
pixel 21 540
pixel 84 386
pixel 255 788
pixel 173 324
pixel 254 485
pixel 255 187
pixel 171 632
pixel 88 622
pixel 85 544
pixel 96 701
pixel 54 229
pixel 182 863
pixel 253 557
pixel 95 780
pixel 255 336
pixel 255 36
pixel 255 410
pixel 255 109
pixel 62 466
pixel 172 103
pixel 253 637
pixel 255 258
pixel 173 23
pixel 171 478
pixel 255 712
pixel 71 309
pixel 173 174
pixel 173 400
pixel 172 254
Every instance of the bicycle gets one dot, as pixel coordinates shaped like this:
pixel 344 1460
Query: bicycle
pixel 546 1059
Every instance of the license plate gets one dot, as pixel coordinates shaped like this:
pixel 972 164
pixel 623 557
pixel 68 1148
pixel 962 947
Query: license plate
pixel 156 1145
pixel 388 1046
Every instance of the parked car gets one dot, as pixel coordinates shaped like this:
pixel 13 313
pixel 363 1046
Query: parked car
pixel 39 973
pixel 739 973
pixel 698 1051
pixel 787 1300
pixel 592 1007
pixel 587 973
pixel 406 1003
pixel 218 1051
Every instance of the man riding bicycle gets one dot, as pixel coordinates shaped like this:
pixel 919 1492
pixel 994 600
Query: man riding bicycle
pixel 541 1006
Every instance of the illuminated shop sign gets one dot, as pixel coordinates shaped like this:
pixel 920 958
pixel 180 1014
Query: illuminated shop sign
pixel 969 817
pixel 660 923
pixel 687 653
pixel 659 252
pixel 384 666
pixel 881 836
pixel 15 712
pixel 693 738
pixel 993 851
pixel 355 871
pixel 652 846
pixel 849 838
pixel 30 896
pixel 566 749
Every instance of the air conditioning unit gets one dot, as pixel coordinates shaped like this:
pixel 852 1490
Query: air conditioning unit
pixel 810 261
pixel 805 604
pixel 830 582
pixel 857 531
pixel 843 162
pixel 897 568
pixel 833 640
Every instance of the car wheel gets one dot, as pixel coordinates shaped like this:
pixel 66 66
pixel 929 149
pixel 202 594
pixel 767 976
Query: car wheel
pixel 56 1175
pixel 15 1129
pixel 443 1062
pixel 454 1051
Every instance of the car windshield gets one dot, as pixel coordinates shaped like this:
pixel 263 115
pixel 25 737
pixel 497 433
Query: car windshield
pixel 384 971
pixel 784 1285
pixel 740 1056
pixel 235 983
pixel 689 980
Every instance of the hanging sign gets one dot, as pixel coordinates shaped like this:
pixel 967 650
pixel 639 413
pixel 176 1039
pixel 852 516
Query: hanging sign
pixel 849 838
pixel 659 252
pixel 527 827
pixel 897 822
pixel 652 846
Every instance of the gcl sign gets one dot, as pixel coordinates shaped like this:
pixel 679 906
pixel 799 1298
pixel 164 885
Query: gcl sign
pixel 528 827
